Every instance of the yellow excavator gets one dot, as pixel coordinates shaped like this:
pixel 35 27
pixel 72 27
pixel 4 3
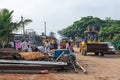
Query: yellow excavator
pixel 92 43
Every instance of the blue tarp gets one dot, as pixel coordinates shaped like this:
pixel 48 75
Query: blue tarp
pixel 56 53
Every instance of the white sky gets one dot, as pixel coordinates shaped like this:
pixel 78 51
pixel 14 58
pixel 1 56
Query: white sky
pixel 59 14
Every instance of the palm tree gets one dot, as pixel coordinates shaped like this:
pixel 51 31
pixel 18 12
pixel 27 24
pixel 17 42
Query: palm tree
pixel 5 23
pixel 7 26
pixel 24 22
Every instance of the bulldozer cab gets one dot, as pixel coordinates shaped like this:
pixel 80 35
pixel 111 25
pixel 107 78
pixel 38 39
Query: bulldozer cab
pixel 91 36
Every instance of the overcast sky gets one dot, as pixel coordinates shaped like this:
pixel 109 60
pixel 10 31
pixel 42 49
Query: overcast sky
pixel 59 14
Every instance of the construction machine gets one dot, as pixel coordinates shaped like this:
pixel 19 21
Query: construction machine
pixel 92 43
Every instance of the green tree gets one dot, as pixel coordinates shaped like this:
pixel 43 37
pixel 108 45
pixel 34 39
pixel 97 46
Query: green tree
pixel 108 33
pixel 78 27
pixel 109 30
pixel 24 22
pixel 7 26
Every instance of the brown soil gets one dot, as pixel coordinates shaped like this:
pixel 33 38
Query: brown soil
pixel 98 68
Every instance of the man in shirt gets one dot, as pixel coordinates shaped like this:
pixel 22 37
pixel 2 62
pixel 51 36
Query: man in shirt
pixel 24 46
pixel 11 43
pixel 47 46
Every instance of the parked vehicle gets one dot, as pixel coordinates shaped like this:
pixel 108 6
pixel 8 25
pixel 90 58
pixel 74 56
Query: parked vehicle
pixel 111 48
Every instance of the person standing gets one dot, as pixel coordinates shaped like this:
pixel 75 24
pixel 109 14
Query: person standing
pixel 55 45
pixel 71 45
pixel 41 49
pixel 3 44
pixel 24 46
pixel 11 43
pixel 29 42
pixel 29 48
pixel 47 46
pixel 67 45
pixel 18 45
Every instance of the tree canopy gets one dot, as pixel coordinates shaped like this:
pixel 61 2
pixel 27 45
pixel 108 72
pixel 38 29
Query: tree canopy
pixel 109 30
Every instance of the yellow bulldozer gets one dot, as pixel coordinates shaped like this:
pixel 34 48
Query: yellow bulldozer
pixel 92 43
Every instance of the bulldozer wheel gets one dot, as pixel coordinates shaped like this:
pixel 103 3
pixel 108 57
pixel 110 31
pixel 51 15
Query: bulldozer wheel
pixel 84 53
pixel 81 52
pixel 96 53
pixel 102 54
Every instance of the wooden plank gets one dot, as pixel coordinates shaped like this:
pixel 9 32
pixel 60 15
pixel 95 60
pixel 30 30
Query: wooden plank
pixel 82 68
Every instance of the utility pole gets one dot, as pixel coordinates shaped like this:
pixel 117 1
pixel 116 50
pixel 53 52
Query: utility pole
pixel 45 27
pixel 23 25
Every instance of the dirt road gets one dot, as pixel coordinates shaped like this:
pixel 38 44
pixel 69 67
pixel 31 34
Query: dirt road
pixel 98 68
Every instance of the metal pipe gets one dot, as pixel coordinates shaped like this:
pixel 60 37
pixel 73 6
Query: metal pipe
pixel 32 62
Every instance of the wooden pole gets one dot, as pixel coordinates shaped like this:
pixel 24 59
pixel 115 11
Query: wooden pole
pixel 82 68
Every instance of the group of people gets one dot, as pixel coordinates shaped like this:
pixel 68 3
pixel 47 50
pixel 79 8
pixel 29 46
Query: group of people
pixel 45 48
pixel 49 45
pixel 24 45
pixel 69 46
